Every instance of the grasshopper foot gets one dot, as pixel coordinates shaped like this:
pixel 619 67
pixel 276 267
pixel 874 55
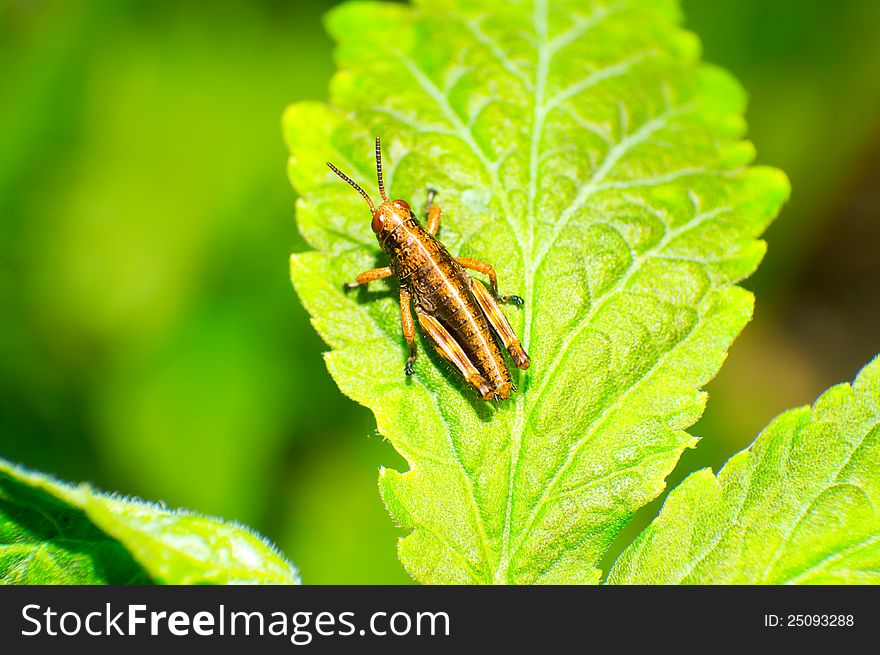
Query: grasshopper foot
pixel 350 286
pixel 513 300
pixel 408 369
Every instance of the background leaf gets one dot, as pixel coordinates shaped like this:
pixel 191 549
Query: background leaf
pixel 44 540
pixel 51 532
pixel 583 150
pixel 799 506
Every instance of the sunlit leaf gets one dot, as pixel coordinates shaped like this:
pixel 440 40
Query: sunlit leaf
pixel 45 540
pixel 582 149
pixel 55 533
pixel 799 506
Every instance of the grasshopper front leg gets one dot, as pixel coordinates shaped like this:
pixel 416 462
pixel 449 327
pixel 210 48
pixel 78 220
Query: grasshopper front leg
pixel 369 276
pixel 432 213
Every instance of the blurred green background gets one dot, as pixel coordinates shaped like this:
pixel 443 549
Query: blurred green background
pixel 150 341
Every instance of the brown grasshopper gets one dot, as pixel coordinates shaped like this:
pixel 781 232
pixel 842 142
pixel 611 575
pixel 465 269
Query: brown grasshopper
pixel 456 311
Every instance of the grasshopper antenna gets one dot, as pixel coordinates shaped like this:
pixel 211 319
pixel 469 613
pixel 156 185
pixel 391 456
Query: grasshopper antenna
pixel 356 187
pixel 379 170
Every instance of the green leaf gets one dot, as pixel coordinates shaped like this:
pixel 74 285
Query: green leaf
pixel 800 505
pixel 45 540
pixel 55 533
pixel 583 150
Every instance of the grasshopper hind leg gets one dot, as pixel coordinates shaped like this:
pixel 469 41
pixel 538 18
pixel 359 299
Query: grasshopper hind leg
pixel 500 324
pixel 452 352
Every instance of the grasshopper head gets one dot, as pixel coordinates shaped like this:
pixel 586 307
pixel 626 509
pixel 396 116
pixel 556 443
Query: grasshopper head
pixel 391 213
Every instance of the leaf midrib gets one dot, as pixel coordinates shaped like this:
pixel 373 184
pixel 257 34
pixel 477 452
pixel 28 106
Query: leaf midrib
pixel 546 49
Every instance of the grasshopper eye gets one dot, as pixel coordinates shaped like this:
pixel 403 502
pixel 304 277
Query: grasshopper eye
pixel 404 205
pixel 378 223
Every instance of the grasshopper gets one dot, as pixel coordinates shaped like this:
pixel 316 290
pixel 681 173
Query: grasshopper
pixel 456 312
